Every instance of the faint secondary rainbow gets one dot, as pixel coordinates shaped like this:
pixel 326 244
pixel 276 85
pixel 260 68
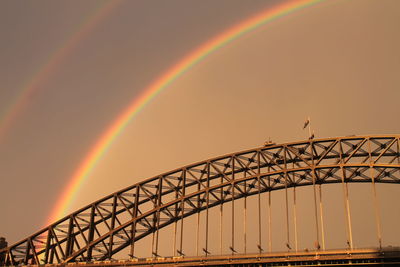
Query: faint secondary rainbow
pixel 117 126
pixel 53 60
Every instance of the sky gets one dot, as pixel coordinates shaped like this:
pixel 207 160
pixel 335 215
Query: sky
pixel 84 62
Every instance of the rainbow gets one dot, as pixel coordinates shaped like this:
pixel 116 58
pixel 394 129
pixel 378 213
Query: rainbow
pixel 50 64
pixel 117 126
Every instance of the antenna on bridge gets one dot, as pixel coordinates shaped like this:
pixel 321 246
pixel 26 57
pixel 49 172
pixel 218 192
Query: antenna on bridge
pixel 308 123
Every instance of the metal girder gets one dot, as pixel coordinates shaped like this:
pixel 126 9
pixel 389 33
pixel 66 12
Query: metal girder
pixel 105 227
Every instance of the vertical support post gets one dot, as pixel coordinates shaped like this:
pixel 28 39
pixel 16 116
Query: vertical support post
pixel 245 218
pixel 111 240
pixel 375 197
pixel 198 219
pixel 175 223
pixel 348 215
pixel 376 208
pixel 207 203
pixel 197 230
pixel 269 214
pixel 46 254
pixel 70 237
pixel 208 196
pixel 268 178
pixel 287 214
pixel 295 210
pixel 315 211
pixel 233 206
pixel 346 200
pixel 153 234
pixel 286 201
pixel 233 218
pixel 174 246
pixel 295 218
pixel 157 230
pixel 321 217
pixel 221 210
pixel 153 239
pixel 159 195
pixel 27 250
pixel 317 245
pixel 181 236
pixel 156 221
pixel 182 210
pixel 259 202
pixel 52 252
pixel 91 231
pixel 133 229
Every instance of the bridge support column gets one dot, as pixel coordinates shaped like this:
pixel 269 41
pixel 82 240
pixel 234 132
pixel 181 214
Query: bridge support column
pixel 295 219
pixel 221 211
pixel 347 210
pixel 321 217
pixel 317 245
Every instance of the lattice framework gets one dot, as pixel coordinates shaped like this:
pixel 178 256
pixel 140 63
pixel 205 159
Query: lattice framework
pixel 105 227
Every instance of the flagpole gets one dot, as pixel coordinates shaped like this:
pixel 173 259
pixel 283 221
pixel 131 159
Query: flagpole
pixel 308 124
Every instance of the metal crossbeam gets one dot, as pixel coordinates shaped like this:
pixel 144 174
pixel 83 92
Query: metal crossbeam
pixel 105 227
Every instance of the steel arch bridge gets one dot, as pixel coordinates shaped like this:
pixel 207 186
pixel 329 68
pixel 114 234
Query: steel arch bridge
pixel 118 221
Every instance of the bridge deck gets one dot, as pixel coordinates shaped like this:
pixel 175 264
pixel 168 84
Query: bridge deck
pixel 359 257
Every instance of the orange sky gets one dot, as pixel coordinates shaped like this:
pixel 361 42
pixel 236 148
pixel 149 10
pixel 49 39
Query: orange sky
pixel 337 62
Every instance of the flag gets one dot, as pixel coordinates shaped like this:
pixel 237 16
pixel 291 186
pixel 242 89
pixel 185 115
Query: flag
pixel 306 123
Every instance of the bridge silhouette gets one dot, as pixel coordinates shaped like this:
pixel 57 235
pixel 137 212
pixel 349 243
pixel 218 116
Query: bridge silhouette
pixel 201 206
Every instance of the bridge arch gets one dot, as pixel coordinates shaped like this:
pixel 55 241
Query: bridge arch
pixel 105 227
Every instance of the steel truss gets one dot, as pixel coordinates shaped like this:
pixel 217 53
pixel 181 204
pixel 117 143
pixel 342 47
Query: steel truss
pixel 105 227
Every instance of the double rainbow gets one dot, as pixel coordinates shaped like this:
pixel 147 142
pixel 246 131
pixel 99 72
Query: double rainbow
pixel 162 82
pixel 51 63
